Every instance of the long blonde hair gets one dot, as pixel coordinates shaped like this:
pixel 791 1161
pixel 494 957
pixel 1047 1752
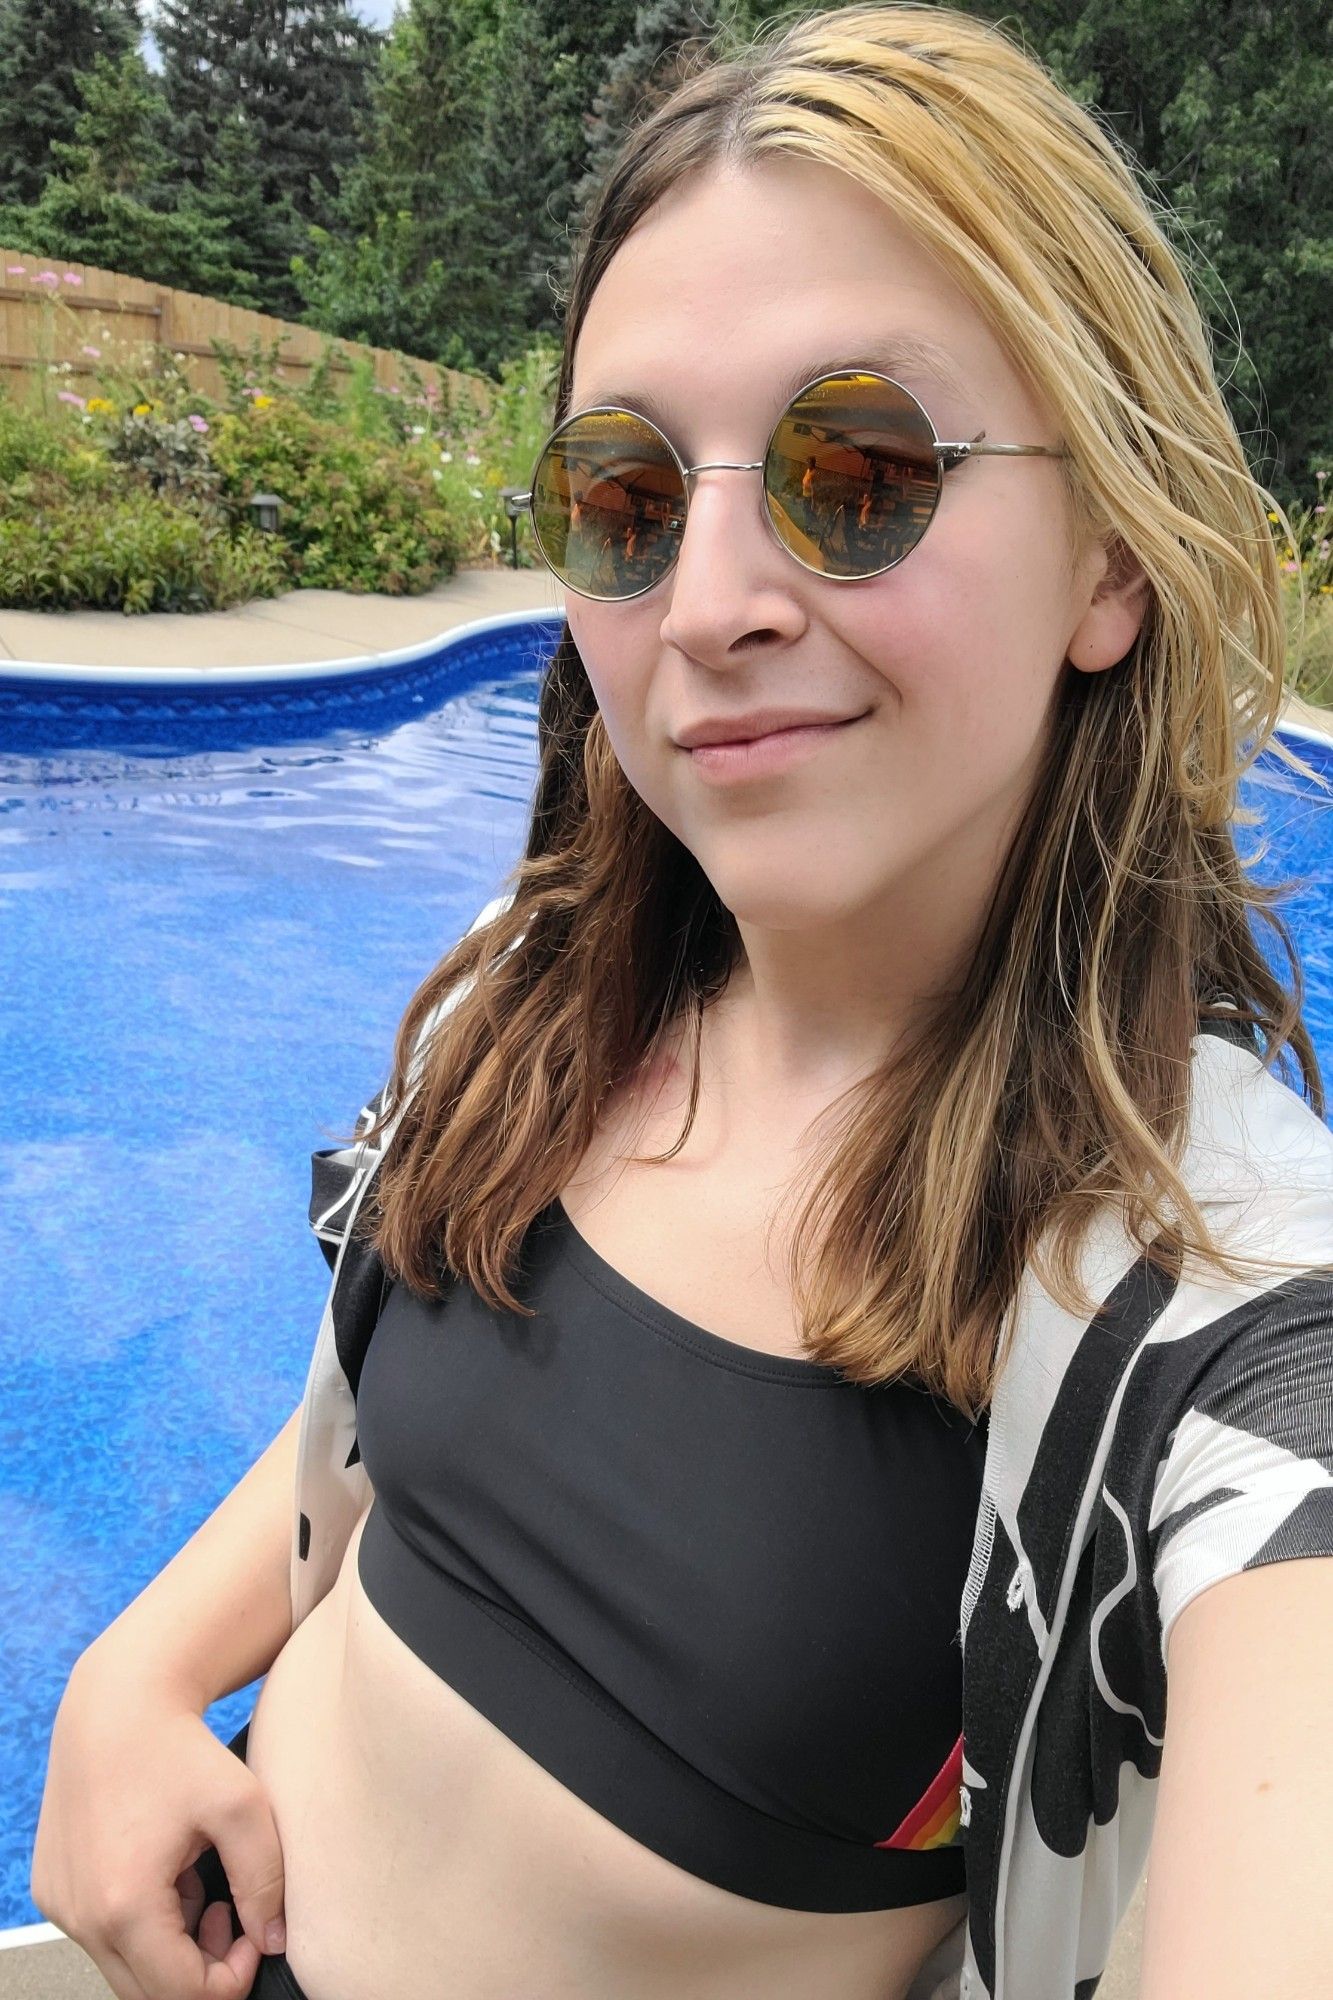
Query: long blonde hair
pixel 1056 1077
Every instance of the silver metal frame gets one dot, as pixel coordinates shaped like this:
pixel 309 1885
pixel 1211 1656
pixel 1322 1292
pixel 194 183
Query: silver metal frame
pixel 949 454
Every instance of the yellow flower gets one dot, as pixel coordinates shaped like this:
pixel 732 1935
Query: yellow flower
pixel 101 405
pixel 142 409
pixel 1272 517
pixel 262 402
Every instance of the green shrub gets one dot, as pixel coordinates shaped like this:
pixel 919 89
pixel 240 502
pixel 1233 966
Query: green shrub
pixel 169 455
pixel 358 513
pixel 30 443
pixel 45 459
pixel 480 453
pixel 138 551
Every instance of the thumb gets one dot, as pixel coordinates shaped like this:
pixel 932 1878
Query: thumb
pixel 252 1859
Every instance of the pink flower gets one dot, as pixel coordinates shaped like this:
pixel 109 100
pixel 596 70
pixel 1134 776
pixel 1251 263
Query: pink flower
pixel 96 352
pixel 71 277
pixel 15 270
pixel 199 423
pixel 68 396
pixel 1291 568
pixel 46 278
pixel 1319 510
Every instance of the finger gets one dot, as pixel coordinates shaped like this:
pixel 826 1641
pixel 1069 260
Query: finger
pixel 215 1931
pixel 233 1976
pixel 171 1966
pixel 190 1889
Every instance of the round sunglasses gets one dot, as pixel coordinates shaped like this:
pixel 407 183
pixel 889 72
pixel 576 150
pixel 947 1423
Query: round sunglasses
pixel 852 477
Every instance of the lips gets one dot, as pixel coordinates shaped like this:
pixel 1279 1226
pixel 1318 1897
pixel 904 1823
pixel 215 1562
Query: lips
pixel 754 728
pixel 776 751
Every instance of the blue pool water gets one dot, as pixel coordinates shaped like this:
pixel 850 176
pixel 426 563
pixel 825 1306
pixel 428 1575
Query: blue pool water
pixel 215 908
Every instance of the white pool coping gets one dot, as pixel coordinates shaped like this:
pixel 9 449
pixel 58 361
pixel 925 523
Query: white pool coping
pixel 1305 732
pixel 30 1934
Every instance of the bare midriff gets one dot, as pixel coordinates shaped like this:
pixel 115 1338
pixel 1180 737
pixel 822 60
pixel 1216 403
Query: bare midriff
pixel 425 1853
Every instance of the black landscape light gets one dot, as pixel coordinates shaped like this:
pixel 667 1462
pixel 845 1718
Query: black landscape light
pixel 507 495
pixel 264 507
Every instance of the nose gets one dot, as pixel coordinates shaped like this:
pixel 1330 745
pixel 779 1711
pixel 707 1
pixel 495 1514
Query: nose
pixel 721 515
pixel 724 587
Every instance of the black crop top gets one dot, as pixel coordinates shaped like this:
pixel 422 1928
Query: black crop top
pixel 716 1593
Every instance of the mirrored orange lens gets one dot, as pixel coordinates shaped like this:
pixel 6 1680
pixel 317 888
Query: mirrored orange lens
pixel 851 481
pixel 852 478
pixel 608 504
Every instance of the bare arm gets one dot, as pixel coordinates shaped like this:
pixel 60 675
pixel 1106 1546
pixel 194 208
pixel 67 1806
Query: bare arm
pixel 218 1614
pixel 1242 1855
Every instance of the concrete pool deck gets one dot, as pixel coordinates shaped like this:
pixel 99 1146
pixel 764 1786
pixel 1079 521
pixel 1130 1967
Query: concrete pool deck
pixel 36 1961
pixel 300 627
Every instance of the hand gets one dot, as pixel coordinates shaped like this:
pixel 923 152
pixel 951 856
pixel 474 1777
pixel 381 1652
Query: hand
pixel 137 1787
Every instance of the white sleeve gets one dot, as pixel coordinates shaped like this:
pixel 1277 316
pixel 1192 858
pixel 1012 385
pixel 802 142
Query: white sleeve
pixel 1247 1474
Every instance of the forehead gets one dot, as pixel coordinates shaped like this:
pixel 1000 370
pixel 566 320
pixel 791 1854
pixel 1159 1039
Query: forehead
pixel 739 287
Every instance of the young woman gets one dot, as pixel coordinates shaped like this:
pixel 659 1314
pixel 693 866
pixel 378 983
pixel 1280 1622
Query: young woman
pixel 839 1203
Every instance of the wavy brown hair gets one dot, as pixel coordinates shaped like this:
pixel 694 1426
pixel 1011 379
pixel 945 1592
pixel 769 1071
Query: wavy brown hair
pixel 1055 1077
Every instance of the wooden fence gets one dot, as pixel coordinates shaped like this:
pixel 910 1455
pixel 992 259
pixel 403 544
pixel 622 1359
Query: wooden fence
pixel 73 320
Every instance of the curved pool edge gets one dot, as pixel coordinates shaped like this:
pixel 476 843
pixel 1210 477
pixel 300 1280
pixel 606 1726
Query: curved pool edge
pixel 36 673
pixel 1306 733
pixel 49 711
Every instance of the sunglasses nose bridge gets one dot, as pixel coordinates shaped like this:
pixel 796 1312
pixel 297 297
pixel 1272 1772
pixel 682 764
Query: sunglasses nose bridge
pixel 720 465
pixel 724 465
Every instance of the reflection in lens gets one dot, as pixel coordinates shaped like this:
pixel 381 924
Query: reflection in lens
pixel 852 478
pixel 608 504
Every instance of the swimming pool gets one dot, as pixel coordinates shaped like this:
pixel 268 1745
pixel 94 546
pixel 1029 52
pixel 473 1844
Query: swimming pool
pixel 215 907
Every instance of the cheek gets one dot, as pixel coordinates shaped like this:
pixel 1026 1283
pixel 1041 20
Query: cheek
pixel 611 648
pixel 967 635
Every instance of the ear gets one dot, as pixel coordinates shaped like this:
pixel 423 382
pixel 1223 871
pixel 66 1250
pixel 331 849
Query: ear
pixel 1120 592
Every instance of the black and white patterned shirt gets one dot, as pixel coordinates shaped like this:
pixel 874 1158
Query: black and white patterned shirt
pixel 1182 1433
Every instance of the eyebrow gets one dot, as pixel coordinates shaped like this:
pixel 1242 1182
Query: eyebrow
pixel 912 354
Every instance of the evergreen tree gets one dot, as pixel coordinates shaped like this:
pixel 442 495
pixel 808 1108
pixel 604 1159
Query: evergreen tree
pixel 262 231
pixel 547 59
pixel 667 36
pixel 44 45
pixel 1224 111
pixel 271 94
pixel 455 218
pixel 518 170
pixel 319 64
pixel 586 37
pixel 408 266
pixel 94 209
pixel 196 40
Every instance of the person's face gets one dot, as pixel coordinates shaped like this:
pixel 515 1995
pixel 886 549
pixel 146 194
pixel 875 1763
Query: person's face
pixel 897 823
